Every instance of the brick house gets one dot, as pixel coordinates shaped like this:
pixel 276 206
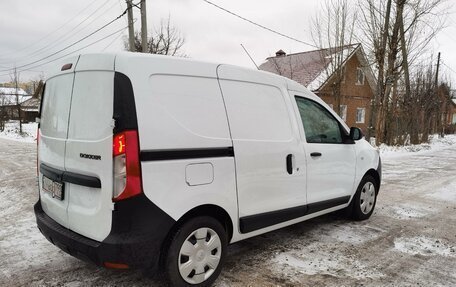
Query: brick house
pixel 450 121
pixel 313 70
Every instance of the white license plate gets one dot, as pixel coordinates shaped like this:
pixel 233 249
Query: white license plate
pixel 54 188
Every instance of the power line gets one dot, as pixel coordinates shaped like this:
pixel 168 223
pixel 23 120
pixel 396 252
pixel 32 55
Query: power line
pixel 442 62
pixel 69 34
pixel 61 57
pixel 71 45
pixel 259 25
pixel 112 42
pixel 121 9
pixel 52 32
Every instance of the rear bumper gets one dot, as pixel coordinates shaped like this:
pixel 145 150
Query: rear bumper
pixel 134 242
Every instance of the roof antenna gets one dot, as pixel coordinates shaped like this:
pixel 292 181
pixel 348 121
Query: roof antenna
pixel 249 56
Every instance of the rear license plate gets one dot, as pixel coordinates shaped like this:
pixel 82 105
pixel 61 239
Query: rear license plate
pixel 54 188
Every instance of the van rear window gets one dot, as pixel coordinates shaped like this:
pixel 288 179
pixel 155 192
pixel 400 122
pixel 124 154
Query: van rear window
pixel 55 106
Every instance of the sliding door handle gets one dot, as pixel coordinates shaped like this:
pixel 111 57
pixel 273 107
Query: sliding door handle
pixel 315 154
pixel 290 164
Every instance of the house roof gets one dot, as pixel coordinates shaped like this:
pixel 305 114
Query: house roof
pixel 12 91
pixel 311 68
pixel 10 100
pixel 31 105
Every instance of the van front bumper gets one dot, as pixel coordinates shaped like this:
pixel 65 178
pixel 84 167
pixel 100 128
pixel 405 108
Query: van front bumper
pixel 133 242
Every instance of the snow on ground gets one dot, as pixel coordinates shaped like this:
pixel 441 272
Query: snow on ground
pixel 424 246
pixel 323 263
pixel 406 211
pixel 435 143
pixel 446 192
pixel 11 131
pixel 409 241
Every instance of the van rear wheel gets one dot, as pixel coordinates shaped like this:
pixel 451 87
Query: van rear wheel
pixel 196 253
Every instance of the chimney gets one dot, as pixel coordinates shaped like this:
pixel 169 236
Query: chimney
pixel 280 53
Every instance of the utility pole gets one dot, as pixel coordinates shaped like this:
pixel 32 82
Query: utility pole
pixel 131 29
pixel 437 72
pixel 143 26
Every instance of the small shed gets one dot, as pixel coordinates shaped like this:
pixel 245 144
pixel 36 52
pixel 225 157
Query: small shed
pixel 30 109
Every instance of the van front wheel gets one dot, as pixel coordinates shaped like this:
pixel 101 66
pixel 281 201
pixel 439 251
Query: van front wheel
pixel 365 198
pixel 196 253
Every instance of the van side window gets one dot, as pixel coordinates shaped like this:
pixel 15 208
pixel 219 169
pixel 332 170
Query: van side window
pixel 319 125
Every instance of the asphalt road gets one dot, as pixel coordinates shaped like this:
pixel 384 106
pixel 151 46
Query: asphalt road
pixel 409 240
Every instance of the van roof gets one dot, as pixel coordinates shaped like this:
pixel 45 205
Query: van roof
pixel 124 62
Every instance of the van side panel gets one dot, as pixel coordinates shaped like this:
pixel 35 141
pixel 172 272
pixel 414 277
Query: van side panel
pixel 187 112
pixel 185 144
pixel 263 137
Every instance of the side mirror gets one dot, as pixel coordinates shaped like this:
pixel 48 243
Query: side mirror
pixel 356 133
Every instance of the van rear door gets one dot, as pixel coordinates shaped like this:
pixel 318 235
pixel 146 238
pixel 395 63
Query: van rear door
pixel 53 131
pixel 88 152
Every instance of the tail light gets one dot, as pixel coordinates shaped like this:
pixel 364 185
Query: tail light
pixel 127 169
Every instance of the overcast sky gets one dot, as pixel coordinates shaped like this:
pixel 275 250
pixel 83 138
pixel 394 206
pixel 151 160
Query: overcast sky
pixel 31 31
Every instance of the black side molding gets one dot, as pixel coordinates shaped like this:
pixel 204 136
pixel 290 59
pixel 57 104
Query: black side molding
pixel 322 205
pixel 154 155
pixel 71 177
pixel 254 222
pixel 258 221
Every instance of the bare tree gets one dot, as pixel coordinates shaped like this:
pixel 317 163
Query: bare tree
pixel 373 34
pixel 166 40
pixel 396 35
pixel 332 32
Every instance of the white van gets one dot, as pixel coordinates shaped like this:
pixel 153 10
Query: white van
pixel 158 162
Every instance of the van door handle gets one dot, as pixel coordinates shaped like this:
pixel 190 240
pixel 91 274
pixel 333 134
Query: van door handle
pixel 290 164
pixel 315 154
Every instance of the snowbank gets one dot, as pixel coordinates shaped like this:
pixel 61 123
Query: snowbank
pixel 11 132
pixel 434 144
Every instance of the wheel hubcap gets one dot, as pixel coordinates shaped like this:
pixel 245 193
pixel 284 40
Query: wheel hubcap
pixel 199 255
pixel 367 198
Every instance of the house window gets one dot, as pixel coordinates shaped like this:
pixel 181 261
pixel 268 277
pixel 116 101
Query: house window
pixel 343 112
pixel 454 119
pixel 359 76
pixel 360 115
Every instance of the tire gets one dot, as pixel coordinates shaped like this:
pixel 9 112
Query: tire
pixel 363 203
pixel 196 253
